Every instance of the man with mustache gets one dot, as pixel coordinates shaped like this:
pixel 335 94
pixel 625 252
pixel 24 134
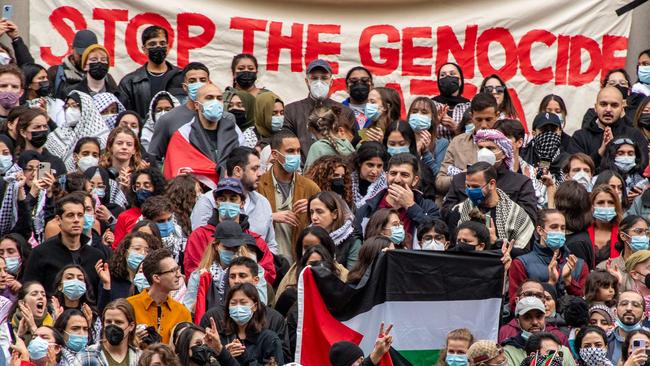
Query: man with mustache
pixel 630 313
pixel 607 126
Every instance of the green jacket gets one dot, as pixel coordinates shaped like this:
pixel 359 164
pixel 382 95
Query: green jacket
pixel 516 355
pixel 324 147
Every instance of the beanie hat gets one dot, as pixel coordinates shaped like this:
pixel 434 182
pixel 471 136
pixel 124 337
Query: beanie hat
pixel 344 353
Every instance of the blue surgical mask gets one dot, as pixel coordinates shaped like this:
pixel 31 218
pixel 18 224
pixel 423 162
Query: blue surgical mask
pixel 37 348
pixel 141 195
pixel 397 234
pixel 628 328
pixel 456 360
pixel 240 314
pixel 140 282
pixel 213 110
pixel 604 214
pixel 291 163
pixel 166 228
pixel 133 260
pixel 99 192
pixel 76 342
pixel 476 195
pixel 276 123
pixel 73 289
pixel 419 122
pixel 13 264
pixel 229 210
pixel 371 111
pixel 555 239
pixel 6 161
pixel 193 90
pixel 636 243
pixel 226 256
pixel 625 163
pixel 394 150
pixel 525 334
pixel 88 221
pixel 469 128
pixel 644 74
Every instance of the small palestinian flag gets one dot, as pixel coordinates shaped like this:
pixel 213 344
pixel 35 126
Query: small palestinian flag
pixel 424 294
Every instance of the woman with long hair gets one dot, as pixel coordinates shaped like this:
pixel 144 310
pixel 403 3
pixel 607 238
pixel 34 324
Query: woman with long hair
pixel 370 250
pixel 607 213
pixel 423 118
pixel 494 85
pixel 332 173
pixel 383 108
pixel 573 200
pixel 123 153
pixel 74 326
pixel 368 177
pixel 183 192
pixel 450 103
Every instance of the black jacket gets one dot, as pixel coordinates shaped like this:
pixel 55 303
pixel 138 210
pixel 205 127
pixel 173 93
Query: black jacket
pixel 50 257
pixel 135 91
pixel 517 186
pixel 580 245
pixel 23 56
pixel 342 250
pixel 588 139
pixel 227 139
pixel 110 86
pixel 260 348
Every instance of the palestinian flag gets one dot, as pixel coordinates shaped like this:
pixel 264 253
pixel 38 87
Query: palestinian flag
pixel 425 294
pixel 182 154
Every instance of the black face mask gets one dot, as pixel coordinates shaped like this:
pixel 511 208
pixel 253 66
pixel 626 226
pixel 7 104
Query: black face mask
pixel 157 55
pixel 43 88
pixel 464 247
pixel 114 334
pixel 338 186
pixel 202 355
pixel 246 79
pixel 39 138
pixel 240 116
pixel 359 92
pixel 624 90
pixel 98 70
pixel 448 85
pixel 644 121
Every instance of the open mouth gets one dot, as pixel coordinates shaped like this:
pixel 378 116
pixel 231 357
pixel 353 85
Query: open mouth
pixel 40 306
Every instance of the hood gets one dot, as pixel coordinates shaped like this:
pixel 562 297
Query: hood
pixel 243 220
pixel 154 100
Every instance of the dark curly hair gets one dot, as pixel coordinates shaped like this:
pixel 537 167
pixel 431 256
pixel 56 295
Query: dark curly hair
pixel 322 170
pixel 181 193
pixel 117 263
pixel 157 179
pixel 576 311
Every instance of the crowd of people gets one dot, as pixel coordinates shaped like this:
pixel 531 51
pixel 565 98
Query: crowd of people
pixel 109 258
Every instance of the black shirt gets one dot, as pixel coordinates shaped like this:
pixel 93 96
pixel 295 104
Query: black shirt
pixel 156 81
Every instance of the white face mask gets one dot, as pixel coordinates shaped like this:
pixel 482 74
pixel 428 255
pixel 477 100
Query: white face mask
pixel 4 59
pixel 432 245
pixel 583 178
pixel 87 162
pixel 135 131
pixel 72 116
pixel 319 89
pixel 486 155
pixel 158 115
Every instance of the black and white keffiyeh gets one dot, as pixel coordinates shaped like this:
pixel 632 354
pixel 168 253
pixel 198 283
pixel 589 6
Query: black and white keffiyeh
pixel 9 207
pixel 593 356
pixel 547 146
pixel 374 188
pixel 103 101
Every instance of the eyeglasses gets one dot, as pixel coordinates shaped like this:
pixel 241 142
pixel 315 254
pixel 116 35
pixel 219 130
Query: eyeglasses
pixel 622 141
pixel 639 231
pixel 494 89
pixel 173 270
pixel 71 105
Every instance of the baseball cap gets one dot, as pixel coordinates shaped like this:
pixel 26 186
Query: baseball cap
pixel 318 63
pixel 229 234
pixel 83 39
pixel 527 304
pixel 230 184
pixel 483 351
pixel 546 118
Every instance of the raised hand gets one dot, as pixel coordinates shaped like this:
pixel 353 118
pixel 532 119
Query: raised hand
pixel 505 250
pixel 212 336
pixel 382 344
pixel 103 272
pixel 553 273
pixel 568 268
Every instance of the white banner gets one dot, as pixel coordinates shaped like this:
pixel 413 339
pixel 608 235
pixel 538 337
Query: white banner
pixel 538 47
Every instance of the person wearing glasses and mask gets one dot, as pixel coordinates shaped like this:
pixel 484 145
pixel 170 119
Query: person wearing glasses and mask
pixel 494 85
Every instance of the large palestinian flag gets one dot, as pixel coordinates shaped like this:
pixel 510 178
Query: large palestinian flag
pixel 182 154
pixel 425 294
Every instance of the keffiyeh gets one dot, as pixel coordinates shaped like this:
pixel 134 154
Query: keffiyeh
pixel 547 146
pixel 9 208
pixel 500 140
pixel 593 356
pixel 103 101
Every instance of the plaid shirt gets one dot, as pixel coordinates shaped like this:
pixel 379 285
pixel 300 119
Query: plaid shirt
pixel 94 356
pixel 457 116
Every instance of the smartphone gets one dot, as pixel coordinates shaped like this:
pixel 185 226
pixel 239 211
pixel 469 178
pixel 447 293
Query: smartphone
pixel 44 167
pixel 638 343
pixel 7 11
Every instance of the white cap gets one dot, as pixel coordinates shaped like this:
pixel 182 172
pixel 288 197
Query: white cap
pixel 526 304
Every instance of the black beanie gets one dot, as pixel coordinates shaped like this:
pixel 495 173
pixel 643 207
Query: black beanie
pixel 344 353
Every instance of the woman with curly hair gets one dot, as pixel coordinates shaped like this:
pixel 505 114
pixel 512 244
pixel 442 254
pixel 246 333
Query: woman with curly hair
pixel 332 173
pixel 118 281
pixel 182 192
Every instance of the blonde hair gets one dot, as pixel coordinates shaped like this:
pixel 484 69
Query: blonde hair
pixel 211 255
pixel 462 334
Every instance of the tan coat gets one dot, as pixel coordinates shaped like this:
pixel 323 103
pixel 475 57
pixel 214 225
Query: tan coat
pixel 461 152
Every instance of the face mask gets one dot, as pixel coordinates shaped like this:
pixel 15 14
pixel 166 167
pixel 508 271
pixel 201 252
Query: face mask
pixel 229 210
pixel 13 264
pixel 240 116
pixel 98 70
pixel 43 88
pixel 448 85
pixel 394 150
pixel 6 161
pixel 644 121
pixel 625 163
pixel 397 234
pixel 319 89
pixel 624 90
pixel 193 90
pixel 37 348
pixel 644 74
pixel 555 240
pixel 628 328
pixel 240 314
pixel 371 111
pixel 359 92
pixel 72 116
pixel 476 195
pixel 5 59
pixel 432 245
pixel 202 355
pixel 291 163
pixel 212 110
pixel 87 162
pixel 157 54
pixel 76 342
pixel 141 195
pixel 465 247
pixel 276 123
pixel 88 221
pixel 525 334
pixel 73 289
pixel 469 128
pixel 419 122
pixel 133 260
pixel 456 360
pixel 246 79
pixel 114 334
pixel 604 214
pixel 338 186
pixel 166 228
pixel 639 243
pixel 39 138
pixel 110 119
pixel 593 356
pixel 99 192
pixel 583 178
pixel 158 115
pixel 225 256
pixel 135 131
pixel 140 282
pixel 486 155
pixel 8 100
